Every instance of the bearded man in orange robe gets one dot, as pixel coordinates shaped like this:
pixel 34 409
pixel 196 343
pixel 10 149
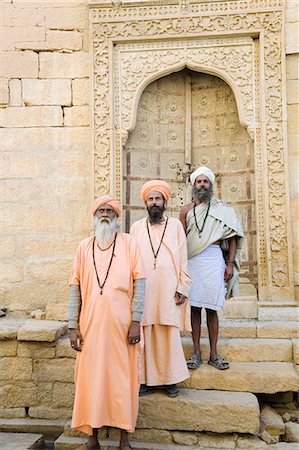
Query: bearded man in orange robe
pixel 163 246
pixel 105 309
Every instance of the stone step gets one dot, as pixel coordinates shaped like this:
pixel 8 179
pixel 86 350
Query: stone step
pixel 246 350
pixel 256 377
pixel 240 308
pixel 21 441
pixel 48 428
pixel 281 312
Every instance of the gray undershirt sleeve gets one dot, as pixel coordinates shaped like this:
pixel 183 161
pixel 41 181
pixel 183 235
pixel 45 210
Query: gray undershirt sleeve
pixel 74 306
pixel 138 299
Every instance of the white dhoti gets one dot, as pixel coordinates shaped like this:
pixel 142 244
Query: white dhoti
pixel 208 288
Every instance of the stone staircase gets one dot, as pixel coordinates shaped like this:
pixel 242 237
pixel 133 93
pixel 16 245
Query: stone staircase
pixel 216 409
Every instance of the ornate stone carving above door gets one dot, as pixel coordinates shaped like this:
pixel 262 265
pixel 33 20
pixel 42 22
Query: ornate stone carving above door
pixel 240 42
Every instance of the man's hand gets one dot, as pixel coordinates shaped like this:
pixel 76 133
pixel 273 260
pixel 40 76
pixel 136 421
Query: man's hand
pixel 179 298
pixel 75 339
pixel 228 273
pixel 134 333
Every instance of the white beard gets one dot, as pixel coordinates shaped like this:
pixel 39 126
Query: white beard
pixel 105 229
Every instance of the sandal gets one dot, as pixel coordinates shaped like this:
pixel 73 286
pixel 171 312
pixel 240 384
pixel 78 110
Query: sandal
pixel 144 390
pixel 172 390
pixel 218 362
pixel 194 362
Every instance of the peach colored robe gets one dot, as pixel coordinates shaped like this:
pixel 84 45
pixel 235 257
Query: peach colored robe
pixel 163 361
pixel 107 372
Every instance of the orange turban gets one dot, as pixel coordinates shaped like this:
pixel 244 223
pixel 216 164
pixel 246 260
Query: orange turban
pixel 106 200
pixel 155 185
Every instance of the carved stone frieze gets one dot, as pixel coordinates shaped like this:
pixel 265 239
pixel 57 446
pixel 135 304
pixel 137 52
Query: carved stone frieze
pixel 133 44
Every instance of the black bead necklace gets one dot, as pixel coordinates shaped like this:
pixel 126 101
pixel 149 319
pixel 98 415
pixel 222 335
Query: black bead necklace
pixel 101 286
pixel 204 220
pixel 156 253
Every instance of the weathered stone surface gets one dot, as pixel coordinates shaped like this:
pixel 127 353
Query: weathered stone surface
pixel 81 91
pixel 18 64
pixel 60 65
pixel 283 446
pixel 271 421
pixel 29 425
pixel 56 311
pixel 247 350
pixel 63 348
pixel 158 436
pixel 63 395
pixel 263 377
pixel 54 370
pixel 36 350
pixel 55 40
pixel 287 313
pixel 50 270
pixel 292 431
pixel 292 67
pixel 31 116
pixel 234 329
pixel 64 442
pixel 43 331
pixel 9 327
pixel 292 91
pixel 4 97
pixel 66 18
pixel 76 116
pixel 12 368
pixel 21 441
pixel 296 350
pixel 24 394
pixel 11 271
pixel 239 309
pixel 250 442
pixel 292 45
pixel 8 413
pixel 8 348
pixel 184 438
pixel 215 441
pixel 47 92
pixel 15 92
pixel 11 36
pixel 194 411
pixel 18 16
pixel 41 412
pixel 268 438
pixel 277 329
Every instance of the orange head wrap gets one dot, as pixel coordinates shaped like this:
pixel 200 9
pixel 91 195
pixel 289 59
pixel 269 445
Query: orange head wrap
pixel 106 200
pixel 155 185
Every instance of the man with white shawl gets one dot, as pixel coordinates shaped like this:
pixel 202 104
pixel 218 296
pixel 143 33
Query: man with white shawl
pixel 214 235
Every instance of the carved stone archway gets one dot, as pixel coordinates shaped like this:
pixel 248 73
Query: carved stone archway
pixel 240 42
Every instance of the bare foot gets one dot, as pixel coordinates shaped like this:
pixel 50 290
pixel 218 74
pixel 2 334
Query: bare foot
pixel 124 440
pixel 93 443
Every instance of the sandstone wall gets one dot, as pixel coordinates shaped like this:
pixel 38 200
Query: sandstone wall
pixel 47 165
pixel 292 70
pixel 46 169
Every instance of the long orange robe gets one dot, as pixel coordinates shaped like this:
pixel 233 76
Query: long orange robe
pixel 163 359
pixel 107 372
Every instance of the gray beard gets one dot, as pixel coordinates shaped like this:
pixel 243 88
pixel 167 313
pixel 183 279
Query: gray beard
pixel 202 195
pixel 104 230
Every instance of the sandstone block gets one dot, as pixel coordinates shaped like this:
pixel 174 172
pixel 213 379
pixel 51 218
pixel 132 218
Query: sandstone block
pixel 66 18
pixel 184 438
pixel 49 270
pixel 18 64
pixel 81 91
pixel 47 92
pixel 293 116
pixel 214 440
pixel 293 67
pixel 11 36
pixel 265 436
pixel 292 431
pixel 42 331
pixel 54 370
pixel 68 442
pixel 292 43
pixel 159 436
pixel 56 311
pixel 17 441
pixel 63 348
pixel 194 411
pixel 60 65
pixel 277 329
pixel 41 412
pixel 292 91
pixel 10 271
pixel 23 394
pixel 36 350
pixel 234 329
pixel 55 40
pixel 15 92
pixel 235 309
pixel 8 348
pixel 251 442
pixel 9 413
pixel 272 422
pixel 13 16
pixel 12 368
pixel 29 425
pixel 76 116
pixel 4 91
pixel 9 327
pixel 296 350
pixel 63 395
pixel 32 116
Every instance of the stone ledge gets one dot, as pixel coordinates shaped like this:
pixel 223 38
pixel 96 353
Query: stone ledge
pixel 29 425
pixel 9 327
pixel 20 441
pixel 41 330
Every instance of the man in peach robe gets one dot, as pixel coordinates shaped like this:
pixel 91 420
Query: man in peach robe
pixel 163 246
pixel 106 304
